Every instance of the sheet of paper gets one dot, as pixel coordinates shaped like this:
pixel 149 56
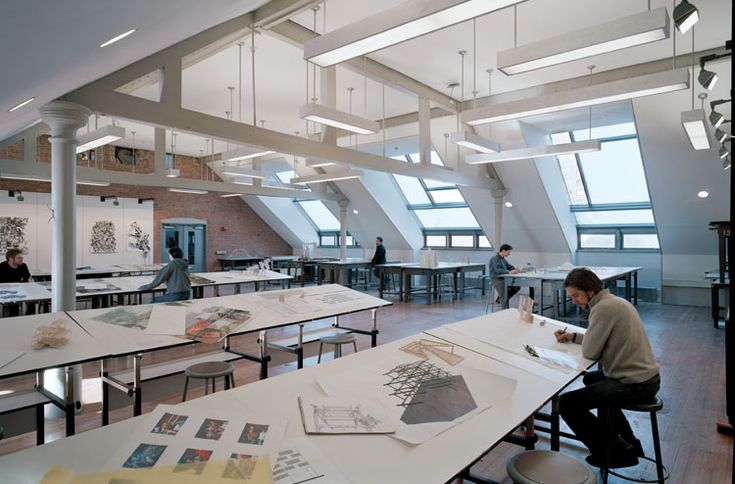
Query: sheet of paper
pixel 299 460
pixel 557 358
pixel 333 415
pixel 165 319
pixel 12 292
pixel 9 356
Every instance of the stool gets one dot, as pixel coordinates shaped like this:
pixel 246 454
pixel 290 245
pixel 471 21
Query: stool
pixel 443 284
pixel 661 472
pixel 337 340
pixel 549 467
pixel 210 370
pixel 364 274
pixel 491 297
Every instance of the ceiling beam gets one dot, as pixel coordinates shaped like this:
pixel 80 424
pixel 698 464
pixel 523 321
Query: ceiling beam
pixel 296 35
pixel 278 11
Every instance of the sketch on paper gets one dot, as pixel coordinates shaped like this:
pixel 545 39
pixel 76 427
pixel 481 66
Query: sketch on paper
pixel 429 393
pixel 332 416
pixel 169 424
pixel 138 239
pixel 13 234
pixel 145 455
pixel 12 292
pixel 193 461
pixel 292 467
pixel 126 316
pixel 214 322
pixel 102 239
pixel 240 467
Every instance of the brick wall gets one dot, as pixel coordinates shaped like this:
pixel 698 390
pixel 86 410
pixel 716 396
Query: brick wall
pixel 231 223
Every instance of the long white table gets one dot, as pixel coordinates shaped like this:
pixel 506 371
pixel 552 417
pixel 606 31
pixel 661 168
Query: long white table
pixel 359 458
pixel 112 271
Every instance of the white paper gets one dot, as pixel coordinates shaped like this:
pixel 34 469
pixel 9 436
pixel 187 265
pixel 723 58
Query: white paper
pixel 12 292
pixel 557 358
pixel 93 286
pixel 334 415
pixel 168 320
pixel 301 461
pixel 8 356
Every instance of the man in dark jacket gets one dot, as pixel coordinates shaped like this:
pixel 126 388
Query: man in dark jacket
pixel 499 266
pixel 176 276
pixel 379 257
pixel 14 270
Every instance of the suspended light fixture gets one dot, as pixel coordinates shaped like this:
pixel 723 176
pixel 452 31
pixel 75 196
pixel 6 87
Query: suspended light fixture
pixel 726 163
pixel 319 162
pixel 406 21
pixel 228 195
pixel 707 79
pixel 327 177
pixel 243 171
pixel 685 16
pixel 593 95
pixel 536 152
pixel 716 119
pixel 622 33
pixel 474 142
pixel 695 125
pixel 193 191
pixel 172 172
pixel 338 119
pixel 99 137
pixel 245 153
pixel 724 152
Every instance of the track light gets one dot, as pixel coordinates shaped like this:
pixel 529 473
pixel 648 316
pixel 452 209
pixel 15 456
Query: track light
pixel 707 79
pixel 720 135
pixel 17 194
pixel 716 118
pixel 115 202
pixel 685 16
pixel 726 163
pixel 724 152
pixel 141 200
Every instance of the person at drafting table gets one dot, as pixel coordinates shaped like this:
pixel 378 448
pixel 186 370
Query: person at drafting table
pixel 176 276
pixel 14 270
pixel 379 256
pixel 499 266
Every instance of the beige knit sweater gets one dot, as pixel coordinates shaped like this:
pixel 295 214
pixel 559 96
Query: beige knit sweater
pixel 617 338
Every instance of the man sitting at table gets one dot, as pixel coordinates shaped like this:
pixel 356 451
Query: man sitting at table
pixel 14 270
pixel 176 276
pixel 616 337
pixel 499 266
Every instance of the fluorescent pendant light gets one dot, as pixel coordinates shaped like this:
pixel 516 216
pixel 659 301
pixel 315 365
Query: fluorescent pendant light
pixel 694 123
pixel 623 89
pixel 319 162
pixel 622 33
pixel 12 176
pixel 716 118
pixel 474 142
pixel 242 181
pixel 242 171
pixel 188 190
pixel 119 37
pixel 99 137
pixel 327 177
pixel 685 16
pixel 537 152
pixel 338 119
pixel 244 153
pixel 20 105
pixel 228 195
pixel 406 21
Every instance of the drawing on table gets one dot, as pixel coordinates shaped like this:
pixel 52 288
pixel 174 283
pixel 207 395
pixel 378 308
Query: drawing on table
pixel 200 281
pixel 13 234
pixel 253 434
pixel 292 467
pixel 169 424
pixel 334 416
pixel 211 429
pixel 193 461
pixel 240 466
pixel 12 292
pixel 287 303
pixel 145 455
pixel 95 285
pixel 126 316
pixel 102 240
pixel 138 239
pixel 423 347
pixel 338 297
pixel 429 393
pixel 214 322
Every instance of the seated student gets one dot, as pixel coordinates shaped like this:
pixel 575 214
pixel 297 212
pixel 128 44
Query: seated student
pixel 616 337
pixel 14 270
pixel 499 266
pixel 176 276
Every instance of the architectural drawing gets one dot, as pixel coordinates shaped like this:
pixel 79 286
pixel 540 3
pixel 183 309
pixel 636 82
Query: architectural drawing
pixel 12 291
pixel 138 239
pixel 292 468
pixel 200 281
pixel 342 418
pixel 126 316
pixel 13 234
pixel 405 379
pixel 102 238
pixel 214 322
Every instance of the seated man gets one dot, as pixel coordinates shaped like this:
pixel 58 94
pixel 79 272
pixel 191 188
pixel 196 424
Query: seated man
pixel 499 266
pixel 176 276
pixel 14 270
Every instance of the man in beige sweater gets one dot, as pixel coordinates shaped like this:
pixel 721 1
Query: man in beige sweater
pixel 616 337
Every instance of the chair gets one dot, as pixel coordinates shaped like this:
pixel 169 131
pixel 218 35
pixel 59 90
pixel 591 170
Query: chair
pixel 661 472
pixel 549 467
pixel 210 370
pixel 337 340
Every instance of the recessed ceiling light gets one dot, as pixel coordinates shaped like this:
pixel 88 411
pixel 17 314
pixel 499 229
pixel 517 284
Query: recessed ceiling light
pixel 20 105
pixel 509 204
pixel 355 212
pixel 119 37
pixel 703 194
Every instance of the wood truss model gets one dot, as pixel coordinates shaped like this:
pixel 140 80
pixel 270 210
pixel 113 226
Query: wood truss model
pixel 422 347
pixel 525 308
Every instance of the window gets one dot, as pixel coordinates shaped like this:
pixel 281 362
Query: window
pixel 331 239
pixel 597 241
pixel 328 240
pixel 463 241
pixel 456 239
pixel 483 242
pixel 436 241
pixel 319 215
pixel 640 241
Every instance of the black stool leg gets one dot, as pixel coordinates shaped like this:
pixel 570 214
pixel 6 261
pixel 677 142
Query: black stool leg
pixel 214 388
pixel 232 379
pixel 186 386
pixel 319 359
pixel 206 386
pixel 227 382
pixel 657 448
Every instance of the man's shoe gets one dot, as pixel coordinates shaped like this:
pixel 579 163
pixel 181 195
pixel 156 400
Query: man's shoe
pixel 497 300
pixel 617 461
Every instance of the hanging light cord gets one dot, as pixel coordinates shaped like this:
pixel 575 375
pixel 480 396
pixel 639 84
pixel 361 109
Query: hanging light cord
pixel 252 61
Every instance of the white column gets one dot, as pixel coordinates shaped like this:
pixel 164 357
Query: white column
pixel 498 196
pixel 64 119
pixel 343 229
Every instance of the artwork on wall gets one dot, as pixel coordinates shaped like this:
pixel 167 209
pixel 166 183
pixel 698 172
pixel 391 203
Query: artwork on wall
pixel 102 238
pixel 13 233
pixel 138 239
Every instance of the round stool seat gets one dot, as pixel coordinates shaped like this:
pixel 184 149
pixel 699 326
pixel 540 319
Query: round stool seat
pixel 209 369
pixel 338 339
pixel 548 467
pixel 645 407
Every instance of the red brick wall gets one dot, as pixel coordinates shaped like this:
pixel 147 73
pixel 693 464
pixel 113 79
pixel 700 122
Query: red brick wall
pixel 231 223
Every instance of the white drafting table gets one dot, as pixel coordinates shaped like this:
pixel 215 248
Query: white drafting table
pixel 18 334
pixel 34 292
pixel 360 458
pixel 114 270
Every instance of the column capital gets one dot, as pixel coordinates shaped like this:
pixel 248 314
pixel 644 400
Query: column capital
pixel 61 115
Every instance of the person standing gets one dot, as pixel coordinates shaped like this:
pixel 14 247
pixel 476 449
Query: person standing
pixel 616 337
pixel 379 256
pixel 176 276
pixel 14 270
pixel 499 266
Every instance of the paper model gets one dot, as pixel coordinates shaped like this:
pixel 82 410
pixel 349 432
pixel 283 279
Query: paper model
pixel 422 347
pixel 54 335
pixel 525 308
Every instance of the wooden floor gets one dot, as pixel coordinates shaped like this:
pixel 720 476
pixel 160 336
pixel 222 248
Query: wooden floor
pixel 689 351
